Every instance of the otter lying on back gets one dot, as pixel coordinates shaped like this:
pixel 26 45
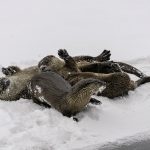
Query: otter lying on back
pixel 14 85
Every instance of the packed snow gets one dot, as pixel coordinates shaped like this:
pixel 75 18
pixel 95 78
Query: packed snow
pixel 26 126
pixel 32 29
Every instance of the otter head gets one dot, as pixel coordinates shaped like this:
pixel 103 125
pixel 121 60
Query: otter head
pixel 50 63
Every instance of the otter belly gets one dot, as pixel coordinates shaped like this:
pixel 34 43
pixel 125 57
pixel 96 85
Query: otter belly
pixel 18 83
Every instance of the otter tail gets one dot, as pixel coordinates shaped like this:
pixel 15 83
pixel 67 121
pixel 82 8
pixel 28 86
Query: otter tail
pixel 130 69
pixel 142 81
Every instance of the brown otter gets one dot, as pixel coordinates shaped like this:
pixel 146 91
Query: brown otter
pixel 14 85
pixel 117 84
pixel 50 88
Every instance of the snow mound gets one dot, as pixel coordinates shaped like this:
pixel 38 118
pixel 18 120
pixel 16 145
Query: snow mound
pixel 27 126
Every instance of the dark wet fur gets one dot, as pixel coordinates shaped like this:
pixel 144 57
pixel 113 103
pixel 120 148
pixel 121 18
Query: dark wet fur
pixel 53 86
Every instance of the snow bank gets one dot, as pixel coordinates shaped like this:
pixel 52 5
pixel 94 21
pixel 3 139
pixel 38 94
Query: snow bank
pixel 27 126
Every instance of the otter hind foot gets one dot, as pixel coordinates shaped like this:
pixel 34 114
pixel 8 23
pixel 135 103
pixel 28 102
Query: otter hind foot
pixel 95 101
pixel 63 53
pixel 9 71
pixel 142 81
pixel 4 83
pixel 104 56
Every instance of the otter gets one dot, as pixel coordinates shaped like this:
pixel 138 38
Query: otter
pixel 50 88
pixel 117 84
pixel 14 85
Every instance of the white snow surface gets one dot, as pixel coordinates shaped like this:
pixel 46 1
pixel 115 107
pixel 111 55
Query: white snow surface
pixel 27 126
pixel 32 29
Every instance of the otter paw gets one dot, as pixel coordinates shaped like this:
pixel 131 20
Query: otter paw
pixel 95 101
pixel 4 83
pixel 75 119
pixel 116 67
pixel 10 70
pixel 63 53
pixel 104 56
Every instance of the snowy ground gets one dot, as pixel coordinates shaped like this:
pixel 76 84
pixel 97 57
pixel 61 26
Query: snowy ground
pixel 27 126
pixel 32 29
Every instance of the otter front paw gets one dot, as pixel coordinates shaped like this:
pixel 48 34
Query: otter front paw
pixel 116 67
pixel 75 119
pixel 10 70
pixel 4 83
pixel 104 56
pixel 63 53
pixel 95 101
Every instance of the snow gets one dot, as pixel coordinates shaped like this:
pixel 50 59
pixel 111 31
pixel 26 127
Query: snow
pixel 26 126
pixel 32 29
